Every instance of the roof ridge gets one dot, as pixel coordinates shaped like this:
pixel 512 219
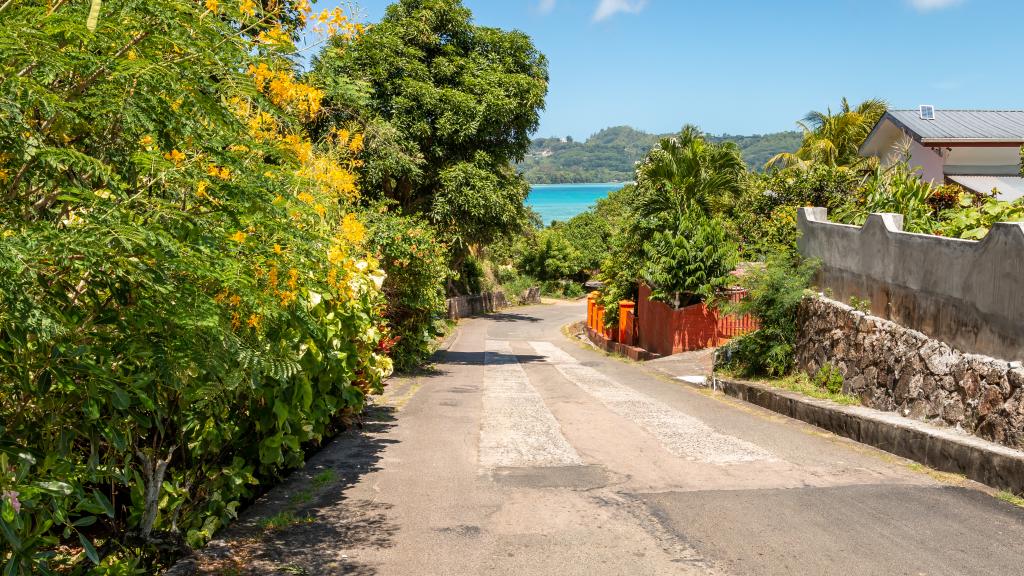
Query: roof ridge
pixel 960 110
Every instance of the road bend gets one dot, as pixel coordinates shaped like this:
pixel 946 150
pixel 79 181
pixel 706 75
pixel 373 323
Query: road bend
pixel 523 452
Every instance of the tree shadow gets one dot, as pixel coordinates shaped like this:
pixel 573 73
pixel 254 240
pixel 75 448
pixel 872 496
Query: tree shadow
pixel 310 524
pixel 512 317
pixel 494 358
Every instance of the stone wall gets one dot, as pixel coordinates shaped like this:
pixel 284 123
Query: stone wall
pixel 962 292
pixel 901 370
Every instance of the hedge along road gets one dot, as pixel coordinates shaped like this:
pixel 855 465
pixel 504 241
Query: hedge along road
pixel 525 453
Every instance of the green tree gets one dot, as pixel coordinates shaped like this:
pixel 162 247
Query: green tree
pixel 683 179
pixel 834 139
pixel 458 100
pixel 685 173
pixel 690 264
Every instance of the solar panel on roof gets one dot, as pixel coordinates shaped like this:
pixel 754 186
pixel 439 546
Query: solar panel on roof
pixel 927 112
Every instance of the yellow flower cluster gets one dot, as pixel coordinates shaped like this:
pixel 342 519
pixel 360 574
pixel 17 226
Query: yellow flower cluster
pixel 300 147
pixel 276 36
pixel 336 23
pixel 352 230
pixel 219 172
pixel 332 177
pixel 175 156
pixel 345 139
pixel 284 90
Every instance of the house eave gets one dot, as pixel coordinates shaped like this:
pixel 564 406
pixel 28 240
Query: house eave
pixel 973 142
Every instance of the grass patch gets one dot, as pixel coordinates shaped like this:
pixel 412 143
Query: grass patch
pixel 302 497
pixel 944 477
pixel 283 520
pixel 324 478
pixel 800 383
pixel 1011 498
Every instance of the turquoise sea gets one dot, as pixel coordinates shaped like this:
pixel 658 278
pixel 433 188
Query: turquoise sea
pixel 563 201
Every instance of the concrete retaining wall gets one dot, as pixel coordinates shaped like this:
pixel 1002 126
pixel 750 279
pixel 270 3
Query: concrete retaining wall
pixel 942 449
pixel 896 369
pixel 465 306
pixel 965 293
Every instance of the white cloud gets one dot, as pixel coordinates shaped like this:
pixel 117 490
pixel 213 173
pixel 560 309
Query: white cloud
pixel 929 5
pixel 546 6
pixel 608 8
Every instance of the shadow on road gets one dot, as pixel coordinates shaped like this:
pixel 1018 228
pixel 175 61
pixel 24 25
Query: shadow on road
pixel 308 524
pixel 477 358
pixel 512 317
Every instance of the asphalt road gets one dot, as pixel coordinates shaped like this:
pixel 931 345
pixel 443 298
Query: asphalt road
pixel 525 453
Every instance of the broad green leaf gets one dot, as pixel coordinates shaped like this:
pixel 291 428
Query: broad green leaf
pixel 84 521
pixel 55 487
pixel 90 551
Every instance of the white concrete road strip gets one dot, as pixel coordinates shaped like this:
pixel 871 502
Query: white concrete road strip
pixel 517 429
pixel 682 435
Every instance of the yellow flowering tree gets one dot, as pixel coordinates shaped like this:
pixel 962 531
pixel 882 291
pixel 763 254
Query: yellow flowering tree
pixel 185 296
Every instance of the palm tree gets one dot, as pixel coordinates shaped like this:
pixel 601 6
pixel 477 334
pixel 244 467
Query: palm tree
pixel 834 139
pixel 687 172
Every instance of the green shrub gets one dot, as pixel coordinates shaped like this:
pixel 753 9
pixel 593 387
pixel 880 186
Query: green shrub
pixel 548 255
pixel 562 289
pixel 897 189
pixel 829 379
pixel 417 272
pixel 972 222
pixel 775 293
pixel 690 264
pixel 471 278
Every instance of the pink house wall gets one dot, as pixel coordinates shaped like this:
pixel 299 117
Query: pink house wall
pixel 928 162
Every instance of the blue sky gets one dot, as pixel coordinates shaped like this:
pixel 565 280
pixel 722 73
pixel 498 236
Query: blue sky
pixel 754 66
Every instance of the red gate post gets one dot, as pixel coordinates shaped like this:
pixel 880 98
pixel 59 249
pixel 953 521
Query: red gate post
pixel 626 308
pixel 591 303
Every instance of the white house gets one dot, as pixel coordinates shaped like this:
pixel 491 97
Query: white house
pixel 978 149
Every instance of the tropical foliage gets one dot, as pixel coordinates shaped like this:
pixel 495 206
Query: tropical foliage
pixel 668 230
pixel 687 173
pixel 417 270
pixel 896 189
pixel 186 294
pixel 775 292
pixel 690 264
pixel 972 221
pixel 834 139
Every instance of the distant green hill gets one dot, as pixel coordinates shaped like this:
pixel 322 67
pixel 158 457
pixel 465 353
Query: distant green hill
pixel 609 155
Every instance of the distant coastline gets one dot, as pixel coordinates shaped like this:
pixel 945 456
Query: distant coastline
pixel 611 154
pixel 581 185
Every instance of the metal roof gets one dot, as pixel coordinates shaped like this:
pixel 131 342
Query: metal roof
pixel 976 125
pixel 1010 187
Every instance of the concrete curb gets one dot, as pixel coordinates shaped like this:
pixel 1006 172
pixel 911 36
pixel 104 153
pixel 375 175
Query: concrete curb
pixel 943 449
